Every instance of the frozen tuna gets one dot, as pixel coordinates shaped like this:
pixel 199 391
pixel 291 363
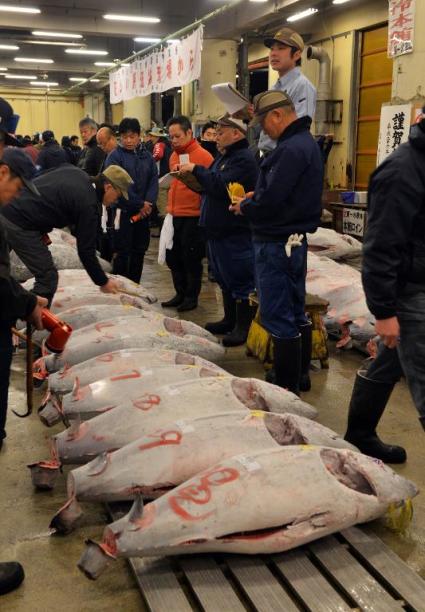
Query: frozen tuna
pixel 106 394
pixel 85 296
pixel 131 420
pixel 118 362
pixel 264 502
pixel 122 333
pixel 165 458
pixel 329 243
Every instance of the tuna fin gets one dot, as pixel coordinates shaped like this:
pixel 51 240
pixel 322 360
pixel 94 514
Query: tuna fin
pixel 98 465
pixel 136 510
pixel 76 388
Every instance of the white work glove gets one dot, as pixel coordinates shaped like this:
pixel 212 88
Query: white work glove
pixel 294 240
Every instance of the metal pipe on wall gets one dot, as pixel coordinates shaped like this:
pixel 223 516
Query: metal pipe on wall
pixel 323 88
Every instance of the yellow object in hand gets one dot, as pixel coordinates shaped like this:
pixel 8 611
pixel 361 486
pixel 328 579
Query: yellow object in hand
pixel 235 190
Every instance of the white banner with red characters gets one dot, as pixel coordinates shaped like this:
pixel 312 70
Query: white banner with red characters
pixel 401 27
pixel 173 66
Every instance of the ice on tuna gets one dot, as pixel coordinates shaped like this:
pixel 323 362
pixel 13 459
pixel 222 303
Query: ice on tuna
pixel 88 401
pixel 165 458
pixel 261 502
pixel 123 333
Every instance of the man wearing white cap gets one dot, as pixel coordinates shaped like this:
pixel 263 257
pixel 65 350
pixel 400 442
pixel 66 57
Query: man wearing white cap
pixel 286 47
pixel 230 249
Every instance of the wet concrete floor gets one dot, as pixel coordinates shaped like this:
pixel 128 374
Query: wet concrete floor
pixel 53 581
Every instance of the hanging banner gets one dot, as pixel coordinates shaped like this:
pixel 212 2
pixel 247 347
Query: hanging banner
pixel 173 66
pixel 401 27
pixel 393 129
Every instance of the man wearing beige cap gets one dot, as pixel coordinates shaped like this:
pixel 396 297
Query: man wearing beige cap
pixel 285 205
pixel 66 197
pixel 230 250
pixel 286 47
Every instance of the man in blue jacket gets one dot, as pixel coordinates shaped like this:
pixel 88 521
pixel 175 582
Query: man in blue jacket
pixel 230 250
pixel 132 235
pixel 285 205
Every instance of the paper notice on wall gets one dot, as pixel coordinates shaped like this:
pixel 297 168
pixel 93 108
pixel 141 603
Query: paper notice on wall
pixel 401 27
pixel 393 129
pixel 232 100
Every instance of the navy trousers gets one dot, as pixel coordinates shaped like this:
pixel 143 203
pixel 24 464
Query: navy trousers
pixel 5 362
pixel 232 262
pixel 131 241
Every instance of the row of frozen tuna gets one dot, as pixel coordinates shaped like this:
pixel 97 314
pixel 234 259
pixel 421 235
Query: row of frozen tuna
pixel 231 464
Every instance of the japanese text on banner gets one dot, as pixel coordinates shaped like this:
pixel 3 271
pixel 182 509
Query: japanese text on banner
pixel 401 27
pixel 393 129
pixel 173 66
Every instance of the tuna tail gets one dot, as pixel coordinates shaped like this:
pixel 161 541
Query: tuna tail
pixel 76 389
pixel 64 520
pixel 44 474
pixel 136 510
pixel 94 560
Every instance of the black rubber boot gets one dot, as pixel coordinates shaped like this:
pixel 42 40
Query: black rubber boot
pixel 287 363
pixel 11 576
pixel 227 323
pixel 306 345
pixel 174 302
pixel 422 422
pixel 187 304
pixel 244 315
pixel 368 402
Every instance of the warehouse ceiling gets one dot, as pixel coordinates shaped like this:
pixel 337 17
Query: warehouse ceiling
pixel 114 38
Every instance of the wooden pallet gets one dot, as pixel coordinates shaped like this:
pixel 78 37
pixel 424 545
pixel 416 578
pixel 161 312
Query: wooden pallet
pixel 351 570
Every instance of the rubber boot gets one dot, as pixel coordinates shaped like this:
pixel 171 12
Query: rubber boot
pixel 174 302
pixel 11 576
pixel 368 402
pixel 306 346
pixel 422 422
pixel 287 363
pixel 228 322
pixel 244 315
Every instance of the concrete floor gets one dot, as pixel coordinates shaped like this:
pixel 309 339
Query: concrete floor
pixel 52 579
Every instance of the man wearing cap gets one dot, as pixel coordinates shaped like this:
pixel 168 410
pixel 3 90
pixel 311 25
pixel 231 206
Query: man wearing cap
pixel 51 155
pixel 286 47
pixel 16 172
pixel 61 197
pixel 285 205
pixel 230 250
pixel 8 123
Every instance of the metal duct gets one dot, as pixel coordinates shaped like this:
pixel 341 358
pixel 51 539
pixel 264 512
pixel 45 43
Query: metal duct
pixel 323 89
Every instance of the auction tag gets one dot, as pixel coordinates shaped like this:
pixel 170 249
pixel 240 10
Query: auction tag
pixel 248 462
pixel 184 426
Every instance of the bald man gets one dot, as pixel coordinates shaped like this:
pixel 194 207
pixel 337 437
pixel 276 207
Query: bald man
pixel 106 140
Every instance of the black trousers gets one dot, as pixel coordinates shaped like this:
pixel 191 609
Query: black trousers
pixel 5 362
pixel 131 242
pixel 185 258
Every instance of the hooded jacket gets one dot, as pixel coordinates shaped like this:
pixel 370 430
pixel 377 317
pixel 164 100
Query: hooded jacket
pixel 394 243
pixel 182 201
pixel 237 165
pixel 287 197
pixel 51 156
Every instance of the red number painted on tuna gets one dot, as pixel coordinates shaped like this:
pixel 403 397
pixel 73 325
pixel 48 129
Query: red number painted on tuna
pixel 163 439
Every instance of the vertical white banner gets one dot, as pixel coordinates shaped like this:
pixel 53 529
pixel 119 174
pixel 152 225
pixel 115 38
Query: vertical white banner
pixel 401 27
pixel 393 128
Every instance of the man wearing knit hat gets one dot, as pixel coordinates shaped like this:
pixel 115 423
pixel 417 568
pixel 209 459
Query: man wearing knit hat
pixel 230 248
pixel 286 47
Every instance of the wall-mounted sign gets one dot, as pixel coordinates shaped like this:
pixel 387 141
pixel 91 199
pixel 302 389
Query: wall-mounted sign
pixel 176 65
pixel 393 129
pixel 401 27
pixel 353 221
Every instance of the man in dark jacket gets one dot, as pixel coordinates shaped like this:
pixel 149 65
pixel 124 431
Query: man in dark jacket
pixel 132 235
pixel 230 250
pixel 91 157
pixel 285 206
pixel 51 155
pixel 66 197
pixel 394 282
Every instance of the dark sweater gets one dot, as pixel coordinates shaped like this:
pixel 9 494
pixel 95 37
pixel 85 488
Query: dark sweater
pixel 237 165
pixel 287 197
pixel 91 158
pixel 67 197
pixel 51 156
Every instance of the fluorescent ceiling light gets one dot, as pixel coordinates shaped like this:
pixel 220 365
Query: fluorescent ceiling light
pixel 7 8
pixel 3 69
pixel 340 1
pixel 94 80
pixel 104 64
pixel 133 18
pixel 258 0
pixel 302 14
pixel 34 60
pixel 86 52
pixel 9 47
pixel 146 39
pixel 21 76
pixel 57 43
pixel 55 34
pixel 44 83
pixel 78 79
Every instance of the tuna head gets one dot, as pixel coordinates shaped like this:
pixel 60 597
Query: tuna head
pixel 264 502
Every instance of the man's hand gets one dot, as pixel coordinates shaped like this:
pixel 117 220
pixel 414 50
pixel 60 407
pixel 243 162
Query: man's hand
pixel 187 167
pixel 35 316
pixel 389 331
pixel 247 112
pixel 235 206
pixel 112 286
pixel 146 210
